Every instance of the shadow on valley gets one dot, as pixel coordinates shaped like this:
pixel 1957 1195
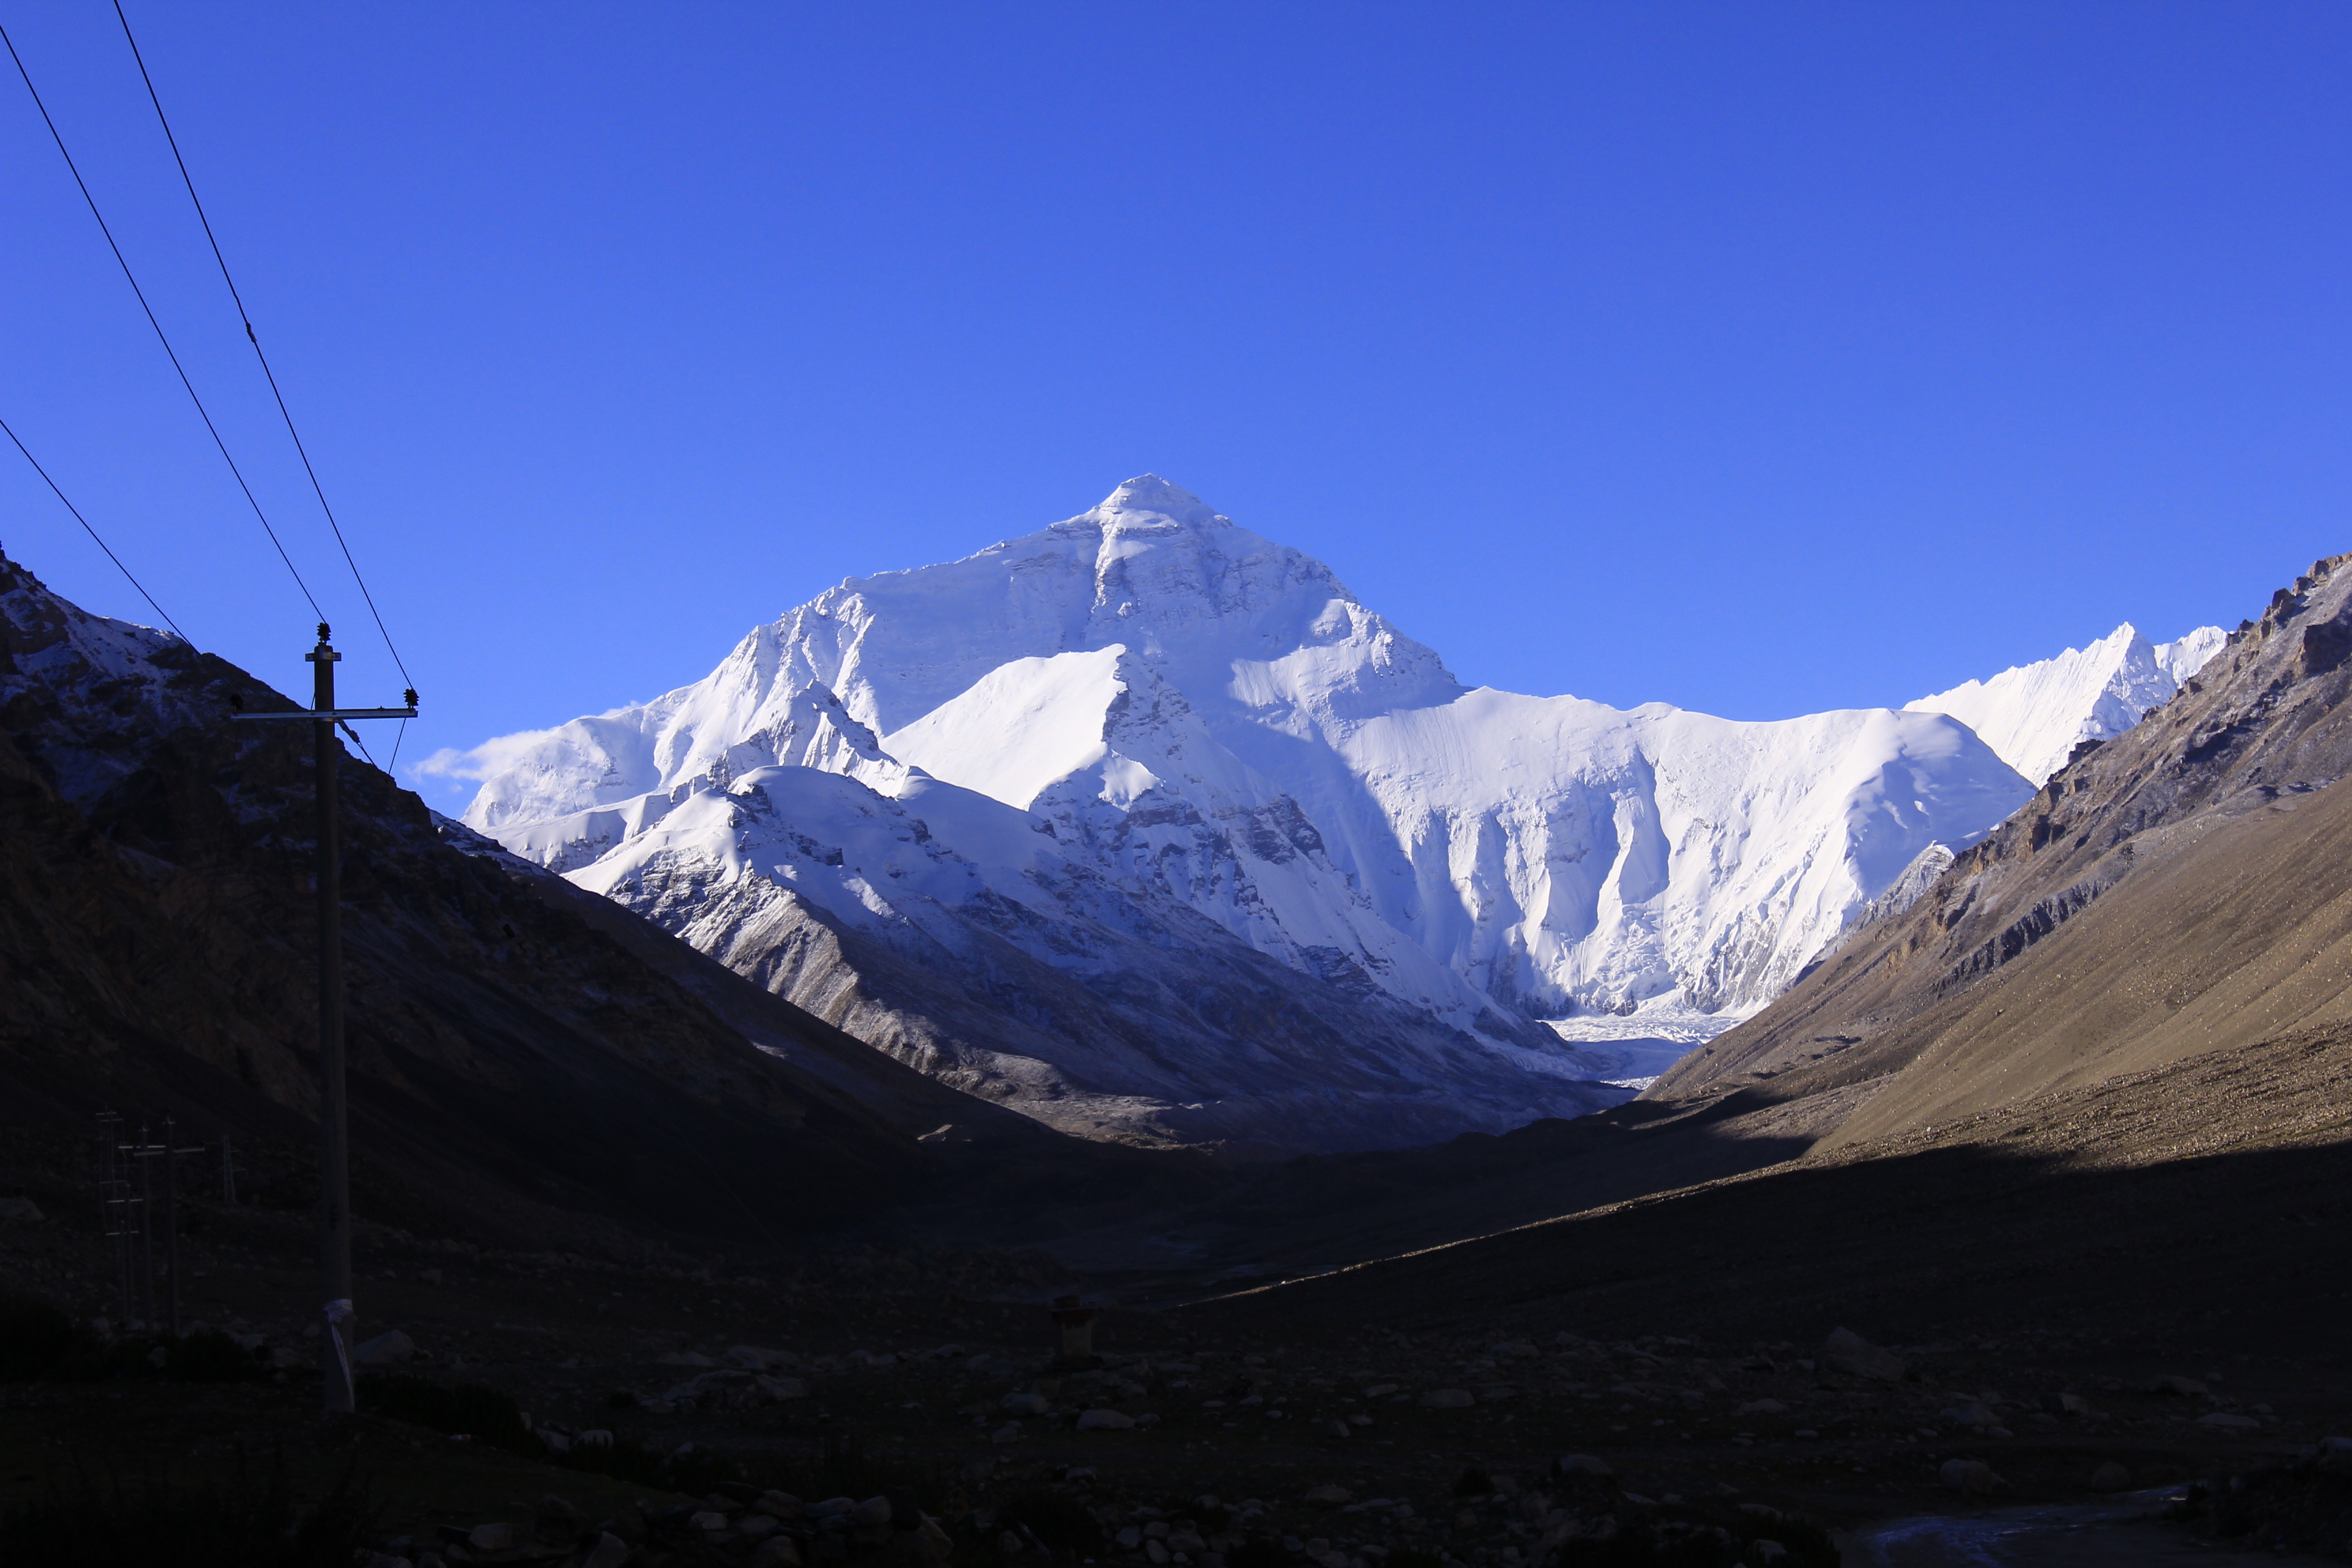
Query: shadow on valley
pixel 2237 1252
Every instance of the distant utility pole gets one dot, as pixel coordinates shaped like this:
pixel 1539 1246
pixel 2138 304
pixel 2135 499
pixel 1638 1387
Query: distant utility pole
pixel 334 1144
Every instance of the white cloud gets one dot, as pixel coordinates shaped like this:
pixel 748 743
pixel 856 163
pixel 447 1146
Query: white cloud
pixel 478 762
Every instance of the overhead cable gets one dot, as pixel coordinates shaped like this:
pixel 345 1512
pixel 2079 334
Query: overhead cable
pixel 255 340
pixel 77 517
pixel 160 335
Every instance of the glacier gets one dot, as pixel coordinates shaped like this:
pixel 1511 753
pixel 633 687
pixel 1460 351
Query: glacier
pixel 2034 715
pixel 1143 823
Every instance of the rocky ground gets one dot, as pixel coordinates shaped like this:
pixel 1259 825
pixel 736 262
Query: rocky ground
pixel 1205 1436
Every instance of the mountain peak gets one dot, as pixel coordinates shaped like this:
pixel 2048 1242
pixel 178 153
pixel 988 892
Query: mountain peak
pixel 1152 497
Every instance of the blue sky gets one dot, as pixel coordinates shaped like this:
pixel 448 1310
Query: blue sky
pixel 1759 359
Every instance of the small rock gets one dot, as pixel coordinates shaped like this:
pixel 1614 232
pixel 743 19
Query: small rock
pixel 873 1513
pixel 778 1390
pixel 490 1537
pixel 682 1358
pixel 757 1526
pixel 19 1211
pixel 1380 1391
pixel 1448 1399
pixel 1008 1433
pixel 782 1505
pixel 2066 1405
pixel 1329 1496
pixel 1020 1404
pixel 610 1551
pixel 754 1358
pixel 1762 1407
pixel 594 1437
pixel 384 1349
pixel 1155 1553
pixel 1341 1429
pixel 1971 1477
pixel 1519 1349
pixel 2223 1421
pixel 1581 1465
pixel 706 1520
pixel 2111 1476
pixel 1968 1414
pixel 1762 1552
pixel 776 1551
pixel 1130 1538
pixel 1104 1421
pixel 2173 1383
pixel 1847 1352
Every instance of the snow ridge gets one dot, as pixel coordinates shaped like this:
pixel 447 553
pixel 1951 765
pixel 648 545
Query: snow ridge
pixel 1176 719
pixel 2035 714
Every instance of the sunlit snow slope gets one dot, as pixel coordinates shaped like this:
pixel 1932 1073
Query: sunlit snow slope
pixel 1180 718
pixel 2035 714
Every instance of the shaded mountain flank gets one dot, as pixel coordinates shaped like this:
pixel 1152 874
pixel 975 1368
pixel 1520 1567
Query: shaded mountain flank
pixel 525 1057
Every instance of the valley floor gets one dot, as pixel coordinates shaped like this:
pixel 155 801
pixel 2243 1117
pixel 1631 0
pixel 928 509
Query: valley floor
pixel 2087 1244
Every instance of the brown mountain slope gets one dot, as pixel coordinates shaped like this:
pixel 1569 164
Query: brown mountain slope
pixel 2182 889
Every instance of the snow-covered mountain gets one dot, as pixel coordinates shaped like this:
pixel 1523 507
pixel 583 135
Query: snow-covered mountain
pixel 2035 714
pixel 1146 744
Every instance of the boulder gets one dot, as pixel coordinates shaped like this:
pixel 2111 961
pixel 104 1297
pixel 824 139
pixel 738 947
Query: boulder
pixel 610 1551
pixel 776 1551
pixel 496 1537
pixel 1448 1399
pixel 1104 1421
pixel 556 1522
pixel 19 1211
pixel 384 1350
pixel 1971 1477
pixel 1847 1352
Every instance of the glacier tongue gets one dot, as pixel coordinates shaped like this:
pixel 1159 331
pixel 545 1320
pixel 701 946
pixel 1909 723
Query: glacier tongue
pixel 1146 736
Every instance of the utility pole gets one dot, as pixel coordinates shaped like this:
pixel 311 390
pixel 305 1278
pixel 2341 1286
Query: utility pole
pixel 334 1144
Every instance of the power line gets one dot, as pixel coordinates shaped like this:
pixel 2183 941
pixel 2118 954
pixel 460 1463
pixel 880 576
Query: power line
pixel 77 517
pixel 252 338
pixel 160 335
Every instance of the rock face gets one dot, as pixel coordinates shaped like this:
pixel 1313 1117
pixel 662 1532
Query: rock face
pixel 2178 889
pixel 1145 825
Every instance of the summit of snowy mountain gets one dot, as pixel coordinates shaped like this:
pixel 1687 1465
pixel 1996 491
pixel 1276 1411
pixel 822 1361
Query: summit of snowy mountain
pixel 2034 715
pixel 1198 740
pixel 1142 501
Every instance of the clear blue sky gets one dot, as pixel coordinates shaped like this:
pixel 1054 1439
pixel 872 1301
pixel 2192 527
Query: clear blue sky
pixel 1757 358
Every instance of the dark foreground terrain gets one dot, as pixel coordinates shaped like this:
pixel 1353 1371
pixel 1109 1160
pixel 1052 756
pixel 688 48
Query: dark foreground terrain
pixel 2095 1296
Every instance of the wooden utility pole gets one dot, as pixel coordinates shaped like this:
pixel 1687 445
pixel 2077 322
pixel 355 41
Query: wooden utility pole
pixel 334 1144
